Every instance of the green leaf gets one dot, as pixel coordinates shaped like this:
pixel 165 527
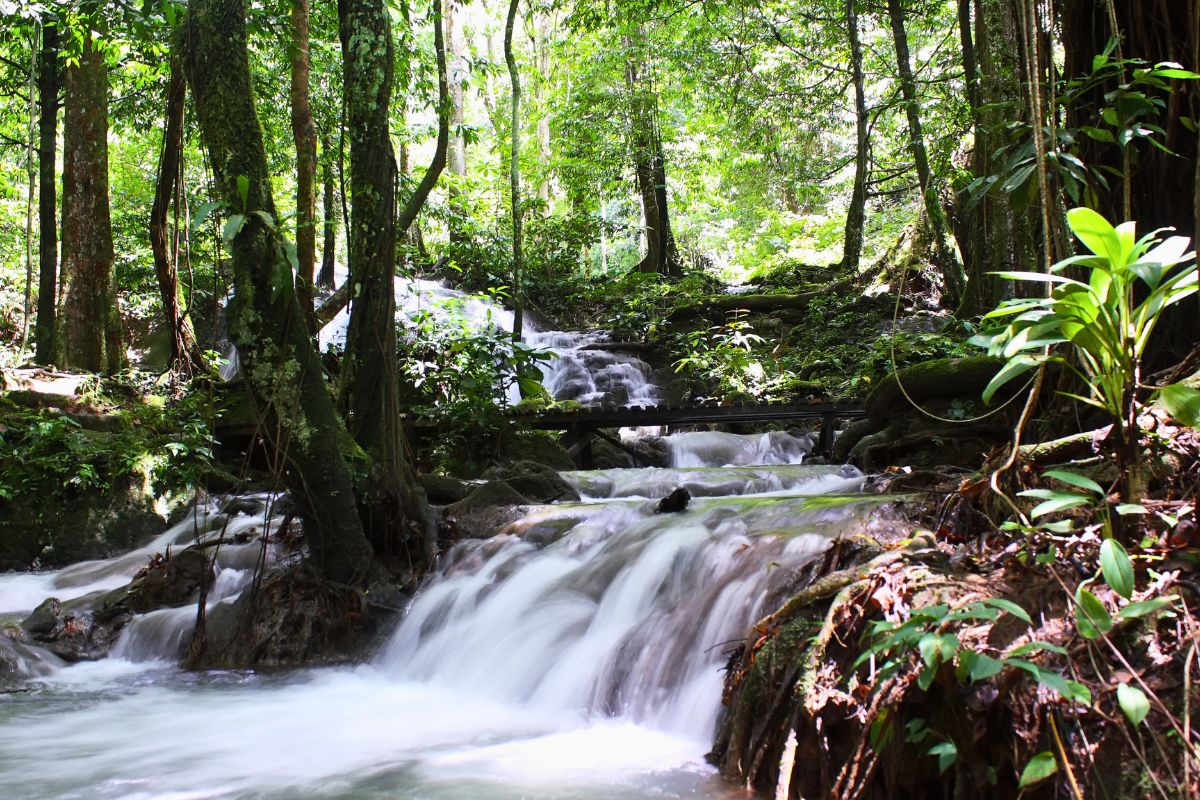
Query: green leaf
pixel 1143 608
pixel 1130 509
pixel 1015 367
pixel 1181 402
pixel 1039 768
pixel 1078 481
pixel 985 667
pixel 1037 646
pixel 1054 501
pixel 937 649
pixel 947 753
pixel 1010 607
pixel 1091 617
pixel 243 188
pixel 233 226
pixel 1096 233
pixel 1116 567
pixel 1133 702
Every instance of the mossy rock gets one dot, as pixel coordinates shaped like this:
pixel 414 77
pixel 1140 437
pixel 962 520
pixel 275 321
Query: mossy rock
pixel 535 481
pixel 539 446
pixel 941 378
pixel 488 495
pixel 40 533
pixel 442 489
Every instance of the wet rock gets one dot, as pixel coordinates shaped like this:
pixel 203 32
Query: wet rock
pixel 85 629
pixel 488 495
pixel 443 490
pixel 168 583
pixel 96 526
pixel 537 482
pixel 675 502
pixel 295 618
pixel 20 661
pixel 538 446
pixel 71 632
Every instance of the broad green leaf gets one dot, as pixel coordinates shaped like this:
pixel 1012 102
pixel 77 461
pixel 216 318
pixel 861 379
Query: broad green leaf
pixel 1054 501
pixel 243 189
pixel 938 649
pixel 947 754
pixel 1181 402
pixel 233 226
pixel 1010 607
pixel 1015 367
pixel 1130 509
pixel 1143 608
pixel 1079 481
pixel 1096 233
pixel 1037 646
pixel 1039 768
pixel 985 667
pixel 1091 617
pixel 1116 567
pixel 1133 702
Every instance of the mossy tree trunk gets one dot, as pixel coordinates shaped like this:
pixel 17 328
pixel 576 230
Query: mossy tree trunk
pixel 856 212
pixel 88 334
pixel 949 260
pixel 304 134
pixel 185 352
pixel 649 160
pixel 999 236
pixel 397 512
pixel 514 167
pixel 49 83
pixel 278 359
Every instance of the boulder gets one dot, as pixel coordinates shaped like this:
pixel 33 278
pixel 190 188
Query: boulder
pixel 537 482
pixel 442 489
pixel 931 380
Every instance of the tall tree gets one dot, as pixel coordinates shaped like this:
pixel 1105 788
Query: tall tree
pixel 949 260
pixel 662 255
pixel 281 367
pixel 304 133
pixel 456 159
pixel 88 334
pixel 185 352
pixel 330 211
pixel 856 212
pixel 49 83
pixel 369 388
pixel 514 166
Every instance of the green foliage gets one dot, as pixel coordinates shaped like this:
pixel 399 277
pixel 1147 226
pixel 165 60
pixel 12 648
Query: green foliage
pixel 162 442
pixel 722 360
pixel 1105 323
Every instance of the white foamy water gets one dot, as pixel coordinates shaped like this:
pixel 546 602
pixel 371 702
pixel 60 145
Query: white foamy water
pixel 576 655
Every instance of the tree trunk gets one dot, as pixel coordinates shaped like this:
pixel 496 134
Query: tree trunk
pixel 329 207
pixel 999 238
pixel 369 391
pixel 514 167
pixel 304 133
pixel 88 336
pixel 457 152
pixel 542 26
pixel 185 352
pixel 856 212
pixel 948 258
pixel 48 86
pixel 281 367
pixel 649 165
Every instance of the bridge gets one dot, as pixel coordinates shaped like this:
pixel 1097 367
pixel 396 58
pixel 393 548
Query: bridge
pixel 583 426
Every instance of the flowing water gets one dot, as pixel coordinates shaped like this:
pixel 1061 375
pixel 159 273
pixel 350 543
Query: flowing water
pixel 578 653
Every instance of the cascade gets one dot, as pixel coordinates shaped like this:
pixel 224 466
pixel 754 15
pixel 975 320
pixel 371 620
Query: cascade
pixel 576 653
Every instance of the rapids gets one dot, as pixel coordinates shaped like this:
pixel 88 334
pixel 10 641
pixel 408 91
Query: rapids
pixel 575 655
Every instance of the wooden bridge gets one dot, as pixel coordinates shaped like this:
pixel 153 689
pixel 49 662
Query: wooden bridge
pixel 584 425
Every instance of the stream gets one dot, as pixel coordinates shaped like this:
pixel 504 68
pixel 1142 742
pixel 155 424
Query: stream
pixel 578 653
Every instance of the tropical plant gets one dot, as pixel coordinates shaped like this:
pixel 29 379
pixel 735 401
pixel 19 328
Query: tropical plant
pixel 1105 325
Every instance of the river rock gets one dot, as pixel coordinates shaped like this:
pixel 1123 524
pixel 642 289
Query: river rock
pixel 537 482
pixel 443 490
